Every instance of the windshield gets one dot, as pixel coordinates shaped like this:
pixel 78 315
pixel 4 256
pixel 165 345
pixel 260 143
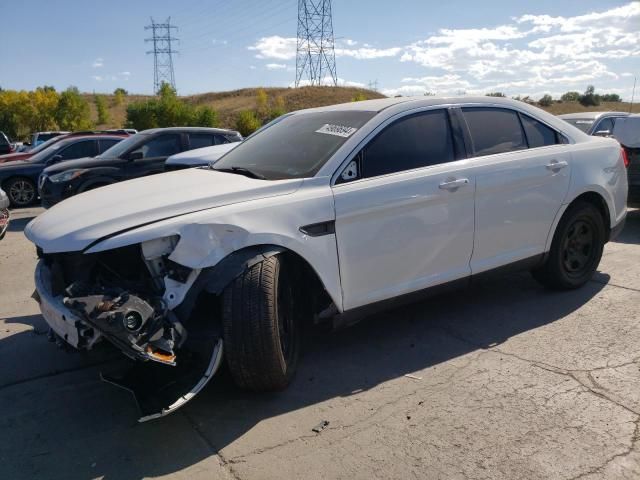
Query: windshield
pixel 583 124
pixel 43 155
pixel 296 146
pixel 46 144
pixel 121 148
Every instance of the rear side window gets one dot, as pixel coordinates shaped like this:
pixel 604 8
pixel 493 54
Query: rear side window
pixel 201 140
pixel 86 148
pixel 605 125
pixel 161 146
pixel 107 144
pixel 417 141
pixel 221 139
pixel 494 130
pixel 538 134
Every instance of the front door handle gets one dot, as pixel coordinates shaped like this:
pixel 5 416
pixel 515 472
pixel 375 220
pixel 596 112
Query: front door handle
pixel 453 183
pixel 556 166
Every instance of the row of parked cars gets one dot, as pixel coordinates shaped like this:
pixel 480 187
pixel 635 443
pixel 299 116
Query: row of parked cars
pixel 72 163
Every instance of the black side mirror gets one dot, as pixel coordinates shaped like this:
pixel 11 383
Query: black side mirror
pixel 138 155
pixel 54 159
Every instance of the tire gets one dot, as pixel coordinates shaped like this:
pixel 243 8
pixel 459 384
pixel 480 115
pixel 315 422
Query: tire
pixel 22 192
pixel 576 249
pixel 261 330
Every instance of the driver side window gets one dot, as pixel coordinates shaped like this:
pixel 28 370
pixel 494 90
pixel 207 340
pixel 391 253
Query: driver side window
pixel 161 146
pixel 86 148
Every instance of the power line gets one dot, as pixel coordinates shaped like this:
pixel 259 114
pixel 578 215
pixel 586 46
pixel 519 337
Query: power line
pixel 315 53
pixel 162 53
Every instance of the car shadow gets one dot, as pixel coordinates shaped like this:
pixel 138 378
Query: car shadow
pixel 98 421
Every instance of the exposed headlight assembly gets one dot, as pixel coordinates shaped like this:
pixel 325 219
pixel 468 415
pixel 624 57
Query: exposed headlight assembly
pixel 67 176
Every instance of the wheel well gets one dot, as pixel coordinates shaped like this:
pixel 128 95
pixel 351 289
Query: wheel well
pixel 597 201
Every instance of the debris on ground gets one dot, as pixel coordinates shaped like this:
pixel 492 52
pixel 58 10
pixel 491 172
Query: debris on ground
pixel 321 426
pixel 415 377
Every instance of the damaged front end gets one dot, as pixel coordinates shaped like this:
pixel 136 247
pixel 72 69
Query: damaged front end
pixel 127 296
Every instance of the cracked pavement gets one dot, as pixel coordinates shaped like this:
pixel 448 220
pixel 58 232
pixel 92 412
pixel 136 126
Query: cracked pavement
pixel 506 380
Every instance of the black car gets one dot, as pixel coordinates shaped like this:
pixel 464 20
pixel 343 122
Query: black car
pixel 139 155
pixel 5 144
pixel 20 178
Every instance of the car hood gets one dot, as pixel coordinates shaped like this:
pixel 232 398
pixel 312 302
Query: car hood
pixel 79 221
pixel 11 157
pixel 86 162
pixel 201 156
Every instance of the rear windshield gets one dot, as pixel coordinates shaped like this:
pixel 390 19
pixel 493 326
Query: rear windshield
pixel 583 124
pixel 296 146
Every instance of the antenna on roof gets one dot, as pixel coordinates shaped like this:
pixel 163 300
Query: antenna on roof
pixel 633 93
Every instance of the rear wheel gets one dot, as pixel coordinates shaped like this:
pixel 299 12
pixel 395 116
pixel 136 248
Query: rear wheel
pixel 21 192
pixel 261 326
pixel 576 249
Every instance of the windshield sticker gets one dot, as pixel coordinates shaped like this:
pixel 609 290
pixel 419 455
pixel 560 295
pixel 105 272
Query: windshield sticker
pixel 337 130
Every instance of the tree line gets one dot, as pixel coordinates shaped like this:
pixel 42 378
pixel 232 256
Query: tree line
pixel 587 99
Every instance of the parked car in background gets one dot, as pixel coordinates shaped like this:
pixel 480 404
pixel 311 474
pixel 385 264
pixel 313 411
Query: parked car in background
pixel 140 155
pixel 627 132
pixel 199 157
pixel 5 145
pixel 20 179
pixel 593 123
pixel 4 213
pixel 321 216
pixel 27 154
pixel 41 137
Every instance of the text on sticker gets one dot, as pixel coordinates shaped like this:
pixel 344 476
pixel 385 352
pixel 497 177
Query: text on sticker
pixel 337 130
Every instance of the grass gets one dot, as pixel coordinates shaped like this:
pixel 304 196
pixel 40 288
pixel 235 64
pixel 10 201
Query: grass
pixel 229 104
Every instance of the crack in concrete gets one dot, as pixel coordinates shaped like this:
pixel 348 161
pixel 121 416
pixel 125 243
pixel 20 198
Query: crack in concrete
pixel 226 464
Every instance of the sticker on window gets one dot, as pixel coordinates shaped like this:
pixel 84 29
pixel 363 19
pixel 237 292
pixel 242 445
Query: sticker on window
pixel 337 130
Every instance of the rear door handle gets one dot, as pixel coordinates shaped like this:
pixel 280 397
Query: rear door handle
pixel 453 184
pixel 556 165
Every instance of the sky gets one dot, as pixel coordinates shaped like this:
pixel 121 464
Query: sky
pixel 401 48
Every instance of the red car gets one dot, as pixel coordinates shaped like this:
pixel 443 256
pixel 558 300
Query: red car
pixel 10 157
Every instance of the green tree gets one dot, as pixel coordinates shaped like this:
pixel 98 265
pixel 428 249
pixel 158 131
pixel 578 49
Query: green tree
pixel 610 97
pixel 247 123
pixel 73 111
pixel 101 108
pixel 118 96
pixel 589 99
pixel 359 97
pixel 278 108
pixel 570 97
pixel 546 101
pixel 205 117
pixel 495 94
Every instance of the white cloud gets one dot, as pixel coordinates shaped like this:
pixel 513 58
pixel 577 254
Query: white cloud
pixel 97 78
pixel 98 63
pixel 367 53
pixel 328 81
pixel 276 47
pixel 276 66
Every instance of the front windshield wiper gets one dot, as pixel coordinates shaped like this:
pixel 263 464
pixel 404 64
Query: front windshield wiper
pixel 242 171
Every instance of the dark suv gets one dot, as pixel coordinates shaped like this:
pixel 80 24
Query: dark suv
pixel 139 155
pixel 19 179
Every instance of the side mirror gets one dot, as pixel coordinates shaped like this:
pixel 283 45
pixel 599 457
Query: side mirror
pixel 54 159
pixel 602 133
pixel 138 155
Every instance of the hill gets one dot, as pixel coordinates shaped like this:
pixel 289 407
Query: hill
pixel 229 104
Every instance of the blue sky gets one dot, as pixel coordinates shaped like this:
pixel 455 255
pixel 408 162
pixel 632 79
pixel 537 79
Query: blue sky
pixel 409 47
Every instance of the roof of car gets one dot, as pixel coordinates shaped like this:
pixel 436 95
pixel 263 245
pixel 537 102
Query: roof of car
pixel 591 115
pixel 68 140
pixel 151 131
pixel 425 101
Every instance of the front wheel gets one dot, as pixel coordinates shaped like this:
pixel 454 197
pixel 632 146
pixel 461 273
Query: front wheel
pixel 261 328
pixel 21 192
pixel 576 248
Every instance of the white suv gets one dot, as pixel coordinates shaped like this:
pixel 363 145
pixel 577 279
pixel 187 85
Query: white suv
pixel 321 216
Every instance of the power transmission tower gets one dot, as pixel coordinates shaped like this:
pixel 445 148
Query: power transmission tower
pixel 162 53
pixel 315 56
pixel 373 85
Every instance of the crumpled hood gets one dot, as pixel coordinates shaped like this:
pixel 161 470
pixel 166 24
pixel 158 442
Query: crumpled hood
pixel 79 221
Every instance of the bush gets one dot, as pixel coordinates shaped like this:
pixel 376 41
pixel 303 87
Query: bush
pixel 570 97
pixel 359 97
pixel 495 94
pixel 73 111
pixel 101 107
pixel 168 111
pixel 278 108
pixel 546 101
pixel 589 99
pixel 610 97
pixel 247 123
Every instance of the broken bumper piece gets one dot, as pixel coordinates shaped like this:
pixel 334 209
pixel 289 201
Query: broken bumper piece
pixel 169 370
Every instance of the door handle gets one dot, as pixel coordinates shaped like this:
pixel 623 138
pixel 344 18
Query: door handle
pixel 556 165
pixel 453 184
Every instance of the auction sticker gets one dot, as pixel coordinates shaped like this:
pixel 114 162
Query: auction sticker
pixel 337 130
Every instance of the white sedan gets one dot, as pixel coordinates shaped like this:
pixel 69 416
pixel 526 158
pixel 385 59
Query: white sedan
pixel 325 215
